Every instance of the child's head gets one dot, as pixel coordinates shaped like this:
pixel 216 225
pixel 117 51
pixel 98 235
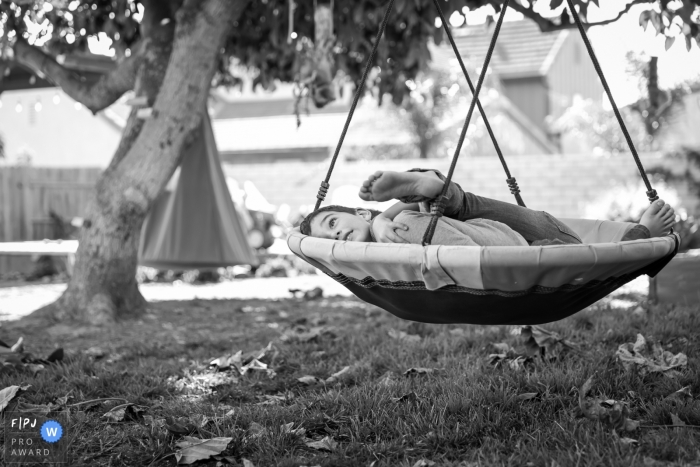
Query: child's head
pixel 339 223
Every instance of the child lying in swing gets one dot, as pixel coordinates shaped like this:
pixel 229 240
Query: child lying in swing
pixel 467 219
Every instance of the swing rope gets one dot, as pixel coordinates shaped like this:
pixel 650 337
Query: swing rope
pixel 512 183
pixel 651 193
pixel 323 190
pixel 438 206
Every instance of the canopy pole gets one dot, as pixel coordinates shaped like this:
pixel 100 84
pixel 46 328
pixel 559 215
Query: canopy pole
pixel 651 193
pixel 512 183
pixel 438 206
pixel 323 190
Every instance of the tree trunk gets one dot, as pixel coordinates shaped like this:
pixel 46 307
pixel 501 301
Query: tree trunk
pixel 103 287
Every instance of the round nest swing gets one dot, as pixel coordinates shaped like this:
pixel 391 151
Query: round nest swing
pixel 488 285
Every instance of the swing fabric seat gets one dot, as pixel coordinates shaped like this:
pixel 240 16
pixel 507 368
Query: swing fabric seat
pixel 489 285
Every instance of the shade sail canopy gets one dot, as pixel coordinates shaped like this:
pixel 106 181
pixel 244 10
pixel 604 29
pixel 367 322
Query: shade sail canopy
pixel 193 224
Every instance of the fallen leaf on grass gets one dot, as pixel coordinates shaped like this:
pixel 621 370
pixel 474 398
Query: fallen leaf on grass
pixel 151 421
pixel 636 355
pixel 508 356
pixel 33 408
pixel 123 412
pixel 526 396
pixel 289 428
pixel 388 379
pixel 194 449
pixel 338 375
pixel 300 334
pixel 609 412
pixel 274 399
pixel 228 459
pixel 19 346
pixel 310 380
pixel 625 441
pixel 677 421
pixel 95 352
pixel 179 426
pixel 404 336
pixel 34 368
pixel 56 356
pixel 256 430
pixel 423 463
pixel 410 397
pixel 682 395
pixel 9 393
pixel 228 361
pixel 326 444
pixel 418 371
pixel 247 463
pixel 539 340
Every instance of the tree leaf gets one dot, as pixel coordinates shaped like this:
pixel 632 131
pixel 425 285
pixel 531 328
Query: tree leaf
pixel 554 4
pixel 656 21
pixel 56 356
pixel 669 42
pixel 123 412
pixel 410 397
pixel 19 346
pixel 677 421
pixel 338 375
pixel 326 444
pixel 404 336
pixel 310 380
pixel 9 393
pixel 194 449
pixel 418 371
pixel 608 412
pixel 681 395
pixel 637 356
pixel 526 396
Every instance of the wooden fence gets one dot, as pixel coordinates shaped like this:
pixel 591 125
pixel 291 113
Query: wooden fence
pixel 28 195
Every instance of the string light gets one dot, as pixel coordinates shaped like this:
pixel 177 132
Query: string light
pixel 37 106
pixel 56 99
pixel 77 106
pixel 18 107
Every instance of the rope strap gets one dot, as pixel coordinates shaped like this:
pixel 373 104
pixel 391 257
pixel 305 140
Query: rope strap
pixel 651 193
pixel 323 191
pixel 437 206
pixel 355 100
pixel 428 236
pixel 478 102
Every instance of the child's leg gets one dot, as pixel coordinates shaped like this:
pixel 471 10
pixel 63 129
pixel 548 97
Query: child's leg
pixel 532 225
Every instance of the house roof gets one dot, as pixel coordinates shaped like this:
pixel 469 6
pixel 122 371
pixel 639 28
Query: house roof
pixel 522 50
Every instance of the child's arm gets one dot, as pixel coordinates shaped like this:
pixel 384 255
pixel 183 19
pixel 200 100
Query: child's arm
pixel 399 207
pixel 383 225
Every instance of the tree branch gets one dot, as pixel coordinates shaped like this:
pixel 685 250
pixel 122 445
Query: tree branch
pixel 547 25
pixel 96 96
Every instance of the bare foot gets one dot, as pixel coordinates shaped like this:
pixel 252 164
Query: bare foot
pixel 658 218
pixel 383 186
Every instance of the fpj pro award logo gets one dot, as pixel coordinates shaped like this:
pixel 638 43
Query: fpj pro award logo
pixel 33 438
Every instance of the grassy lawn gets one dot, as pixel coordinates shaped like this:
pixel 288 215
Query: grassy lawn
pixel 468 411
